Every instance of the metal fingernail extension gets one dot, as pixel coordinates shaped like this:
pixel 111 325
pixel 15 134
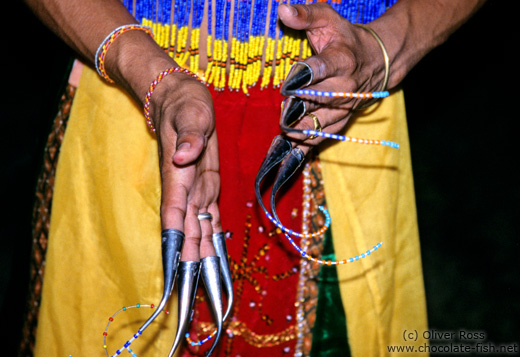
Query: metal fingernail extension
pixel 288 167
pixel 279 149
pixel 210 273
pixel 300 75
pixel 293 109
pixel 187 282
pixel 171 246
pixel 219 242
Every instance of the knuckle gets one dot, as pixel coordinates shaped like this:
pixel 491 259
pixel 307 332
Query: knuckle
pixel 216 222
pixel 206 238
pixel 319 66
pixel 193 240
pixel 349 62
pixel 170 208
pixel 194 206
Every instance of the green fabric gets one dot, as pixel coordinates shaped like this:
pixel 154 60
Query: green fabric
pixel 329 338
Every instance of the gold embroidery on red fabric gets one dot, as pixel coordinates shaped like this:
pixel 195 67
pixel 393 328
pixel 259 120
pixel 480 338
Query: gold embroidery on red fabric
pixel 307 290
pixel 243 270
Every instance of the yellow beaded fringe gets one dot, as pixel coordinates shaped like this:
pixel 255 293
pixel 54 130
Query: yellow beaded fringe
pixel 259 61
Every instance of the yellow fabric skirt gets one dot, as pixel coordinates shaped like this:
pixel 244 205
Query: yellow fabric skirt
pixel 104 251
pixel 370 195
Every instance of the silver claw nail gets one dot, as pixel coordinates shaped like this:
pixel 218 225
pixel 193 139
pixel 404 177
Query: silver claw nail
pixel 293 109
pixel 219 242
pixel 188 278
pixel 288 167
pixel 171 246
pixel 279 149
pixel 300 75
pixel 210 272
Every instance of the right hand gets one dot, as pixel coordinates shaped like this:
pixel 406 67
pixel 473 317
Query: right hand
pixel 181 109
pixel 182 112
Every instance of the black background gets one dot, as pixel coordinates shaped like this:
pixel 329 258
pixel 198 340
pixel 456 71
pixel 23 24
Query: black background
pixel 464 139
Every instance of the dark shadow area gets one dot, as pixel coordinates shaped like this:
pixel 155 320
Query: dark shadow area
pixel 464 150
pixel 33 75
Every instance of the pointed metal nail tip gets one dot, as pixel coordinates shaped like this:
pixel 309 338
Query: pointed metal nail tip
pixel 279 148
pixel 300 75
pixel 187 280
pixel 171 246
pixel 210 272
pixel 219 242
pixel 293 109
pixel 288 167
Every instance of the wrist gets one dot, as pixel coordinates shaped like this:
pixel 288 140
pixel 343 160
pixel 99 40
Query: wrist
pixel 395 45
pixel 134 62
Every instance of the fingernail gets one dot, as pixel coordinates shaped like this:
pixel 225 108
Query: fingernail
pixel 300 75
pixel 293 109
pixel 184 146
pixel 294 12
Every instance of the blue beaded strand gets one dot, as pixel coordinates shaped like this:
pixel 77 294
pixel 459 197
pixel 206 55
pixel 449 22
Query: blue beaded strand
pixel 319 93
pixel 288 232
pixel 131 340
pixel 351 139
pixel 297 234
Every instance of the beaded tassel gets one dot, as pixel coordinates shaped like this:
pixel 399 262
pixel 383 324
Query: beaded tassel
pixel 209 40
pixel 184 10
pixel 227 15
pixel 198 13
pixel 271 43
pixel 254 38
pixel 278 74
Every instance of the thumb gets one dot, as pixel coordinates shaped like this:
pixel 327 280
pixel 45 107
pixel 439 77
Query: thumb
pixel 305 17
pixel 189 147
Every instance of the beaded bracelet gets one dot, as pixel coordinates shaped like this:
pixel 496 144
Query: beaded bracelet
pixel 154 84
pixel 102 50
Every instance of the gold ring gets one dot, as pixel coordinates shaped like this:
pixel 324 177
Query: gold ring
pixel 317 125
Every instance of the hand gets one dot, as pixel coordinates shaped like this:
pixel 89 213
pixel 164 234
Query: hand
pixel 348 59
pixel 188 157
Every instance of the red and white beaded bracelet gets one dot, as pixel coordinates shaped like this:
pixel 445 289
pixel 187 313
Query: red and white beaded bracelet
pixel 154 84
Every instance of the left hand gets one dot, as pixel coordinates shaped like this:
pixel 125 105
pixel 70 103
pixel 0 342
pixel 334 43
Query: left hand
pixel 348 59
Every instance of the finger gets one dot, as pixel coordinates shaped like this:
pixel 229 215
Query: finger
pixel 176 180
pixel 215 222
pixel 309 121
pixel 328 64
pixel 323 120
pixel 193 233
pixel 193 127
pixel 176 184
pixel 189 148
pixel 293 109
pixel 306 17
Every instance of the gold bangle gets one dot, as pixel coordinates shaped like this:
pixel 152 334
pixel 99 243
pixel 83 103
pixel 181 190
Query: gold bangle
pixel 385 57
